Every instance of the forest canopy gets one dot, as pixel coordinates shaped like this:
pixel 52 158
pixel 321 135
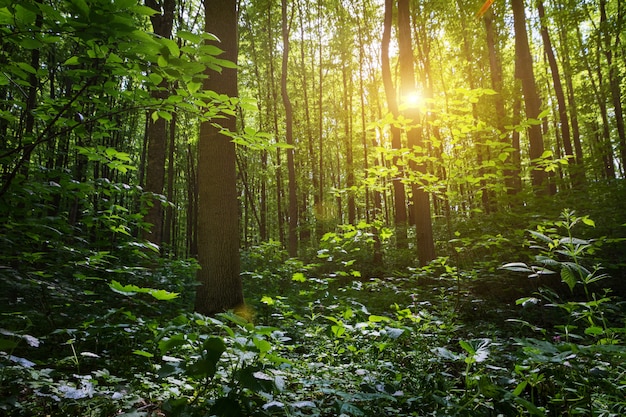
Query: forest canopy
pixel 256 207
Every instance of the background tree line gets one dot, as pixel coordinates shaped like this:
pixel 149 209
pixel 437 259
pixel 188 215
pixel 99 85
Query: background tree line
pixel 409 115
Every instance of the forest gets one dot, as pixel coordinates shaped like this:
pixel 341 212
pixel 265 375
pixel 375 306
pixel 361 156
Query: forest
pixel 312 208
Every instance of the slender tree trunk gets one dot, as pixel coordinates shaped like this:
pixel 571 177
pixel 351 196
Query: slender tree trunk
pixel 605 146
pixel 292 245
pixel 562 27
pixel 169 212
pixel 558 92
pixel 400 215
pixel 495 66
pixel 614 77
pixel 220 286
pixel 192 203
pixel 347 99
pixel 162 24
pixel 363 119
pixel 307 115
pixel 280 218
pixel 321 209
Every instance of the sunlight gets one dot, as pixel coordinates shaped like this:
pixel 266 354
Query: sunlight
pixel 413 99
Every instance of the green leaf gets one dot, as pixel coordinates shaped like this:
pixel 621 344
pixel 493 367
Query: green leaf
pixel 82 6
pixel 143 353
pixel 543 114
pixel 467 347
pixel 541 236
pixel 172 47
pixel 7 345
pixel 155 78
pixel 189 36
pixel 163 295
pixel 175 340
pixel 568 277
pixel 129 290
pixel 72 61
pixel 263 345
pixel 144 10
pixel 268 300
pixel 24 66
pixel 165 115
pixel 594 331
pixel 520 388
pixel 298 277
pixel 377 319
pixel 588 221
pixel 215 345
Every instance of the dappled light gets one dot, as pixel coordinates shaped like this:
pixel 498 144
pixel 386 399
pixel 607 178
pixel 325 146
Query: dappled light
pixel 312 208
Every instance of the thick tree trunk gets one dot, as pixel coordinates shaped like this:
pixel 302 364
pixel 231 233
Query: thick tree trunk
pixel 218 231
pixel 421 199
pixel 399 192
pixel 525 73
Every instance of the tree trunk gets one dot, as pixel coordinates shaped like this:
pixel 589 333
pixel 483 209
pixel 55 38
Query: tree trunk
pixel 292 242
pixel 396 143
pixel 495 66
pixel 532 104
pixel 347 97
pixel 558 91
pixel 421 199
pixel 571 99
pixel 162 24
pixel 605 146
pixel 307 115
pixel 614 77
pixel 218 231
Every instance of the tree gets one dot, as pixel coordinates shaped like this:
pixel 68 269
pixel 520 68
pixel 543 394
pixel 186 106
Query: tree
pixel 291 170
pixel 396 141
pixel 421 199
pixel 525 73
pixel 560 94
pixel 218 231
pixel 157 131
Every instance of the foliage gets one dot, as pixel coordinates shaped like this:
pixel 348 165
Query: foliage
pixel 312 345
pixel 95 320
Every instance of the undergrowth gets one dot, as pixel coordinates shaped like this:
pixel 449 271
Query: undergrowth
pixel 320 339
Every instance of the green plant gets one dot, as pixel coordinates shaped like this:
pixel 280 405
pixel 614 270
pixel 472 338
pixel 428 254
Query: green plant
pixel 577 371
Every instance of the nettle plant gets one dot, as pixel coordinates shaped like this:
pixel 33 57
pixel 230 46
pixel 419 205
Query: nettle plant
pixel 562 253
pixel 576 366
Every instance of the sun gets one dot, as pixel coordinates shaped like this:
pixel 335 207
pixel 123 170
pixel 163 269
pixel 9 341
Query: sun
pixel 412 99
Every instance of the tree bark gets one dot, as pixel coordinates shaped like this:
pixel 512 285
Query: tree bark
pixel 421 199
pixel 292 242
pixel 400 215
pixel 614 77
pixel 525 73
pixel 218 231
pixel 162 24
pixel 558 91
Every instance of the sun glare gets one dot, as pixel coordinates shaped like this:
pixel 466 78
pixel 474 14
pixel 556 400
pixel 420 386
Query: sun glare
pixel 413 99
